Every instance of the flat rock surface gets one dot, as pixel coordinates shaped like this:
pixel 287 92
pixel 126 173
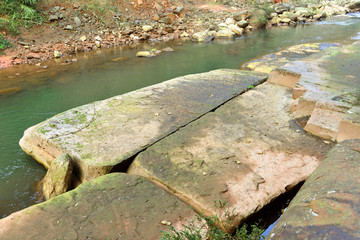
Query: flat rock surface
pixel 325 85
pixel 115 206
pixel 327 205
pixel 233 161
pixel 269 62
pixel 103 134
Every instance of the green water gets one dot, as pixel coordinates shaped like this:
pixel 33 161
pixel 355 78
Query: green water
pixel 95 77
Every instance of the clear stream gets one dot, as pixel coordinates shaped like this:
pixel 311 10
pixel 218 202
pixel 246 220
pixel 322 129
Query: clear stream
pixel 95 76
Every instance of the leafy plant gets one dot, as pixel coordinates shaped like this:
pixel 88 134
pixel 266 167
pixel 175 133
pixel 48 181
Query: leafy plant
pixel 18 13
pixel 4 43
pixel 203 227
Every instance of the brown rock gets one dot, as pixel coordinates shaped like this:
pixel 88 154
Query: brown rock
pixel 33 55
pixel 327 205
pixel 243 154
pixel 115 206
pixel 58 177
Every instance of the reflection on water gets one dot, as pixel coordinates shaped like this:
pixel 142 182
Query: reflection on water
pixel 35 93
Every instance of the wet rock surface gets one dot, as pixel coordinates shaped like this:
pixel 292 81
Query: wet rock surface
pixel 233 161
pixel 326 88
pixel 103 134
pixel 327 205
pixel 115 206
pixel 271 61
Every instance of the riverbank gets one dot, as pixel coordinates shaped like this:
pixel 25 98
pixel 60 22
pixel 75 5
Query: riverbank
pixel 70 28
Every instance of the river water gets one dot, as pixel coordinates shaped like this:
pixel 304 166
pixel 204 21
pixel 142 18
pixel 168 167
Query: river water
pixel 46 92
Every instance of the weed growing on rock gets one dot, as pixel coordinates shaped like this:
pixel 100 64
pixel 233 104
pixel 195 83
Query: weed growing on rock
pixel 203 227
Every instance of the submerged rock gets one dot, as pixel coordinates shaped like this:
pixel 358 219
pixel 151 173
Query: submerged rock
pixel 146 54
pixel 58 177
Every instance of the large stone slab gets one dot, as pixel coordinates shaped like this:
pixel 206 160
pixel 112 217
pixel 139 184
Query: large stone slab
pixel 327 205
pixel 325 87
pixel 115 206
pixel 233 161
pixel 271 61
pixel 102 134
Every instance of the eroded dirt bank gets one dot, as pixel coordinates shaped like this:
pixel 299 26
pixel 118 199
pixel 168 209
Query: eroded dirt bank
pixel 71 27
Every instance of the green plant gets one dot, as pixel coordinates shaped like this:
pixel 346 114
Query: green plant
pixel 4 43
pixel 203 227
pixel 16 14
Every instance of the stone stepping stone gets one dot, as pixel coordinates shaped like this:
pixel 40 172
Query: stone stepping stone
pixel 106 133
pixel 115 206
pixel 272 61
pixel 326 87
pixel 233 161
pixel 327 205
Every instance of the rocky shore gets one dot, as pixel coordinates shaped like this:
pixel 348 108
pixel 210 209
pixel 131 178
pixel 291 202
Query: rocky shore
pixel 70 29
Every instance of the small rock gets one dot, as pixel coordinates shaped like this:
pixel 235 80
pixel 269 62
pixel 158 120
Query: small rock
pixel 203 36
pixel 98 44
pixel 98 38
pixel 77 21
pixel 243 23
pixel 238 31
pixel 147 28
pixel 224 33
pixel 83 38
pixel 146 54
pixel 241 15
pixel 167 49
pixel 223 26
pixel 229 21
pixel 74 60
pixel 53 18
pixel 33 55
pixel 24 43
pixel 165 222
pixel 166 20
pixel 57 54
pixel 184 35
pixel 69 27
pixel 169 29
pixel 38 64
pixel 285 20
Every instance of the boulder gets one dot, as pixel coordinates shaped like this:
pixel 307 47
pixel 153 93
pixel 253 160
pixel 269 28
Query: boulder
pixel 241 15
pixel 225 33
pixel 145 54
pixel 238 31
pixel 104 134
pixel 58 177
pixel 327 205
pixel 258 18
pixel 115 206
pixel 204 36
pixel 147 28
pixel 233 161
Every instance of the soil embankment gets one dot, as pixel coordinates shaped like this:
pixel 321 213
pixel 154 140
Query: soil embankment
pixel 72 27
